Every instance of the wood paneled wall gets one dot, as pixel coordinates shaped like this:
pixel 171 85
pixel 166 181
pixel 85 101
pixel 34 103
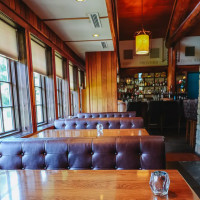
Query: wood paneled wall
pixel 101 85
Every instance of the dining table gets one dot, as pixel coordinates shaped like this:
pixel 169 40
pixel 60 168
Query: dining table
pixel 88 185
pixel 93 133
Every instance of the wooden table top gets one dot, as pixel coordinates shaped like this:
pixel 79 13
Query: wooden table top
pixel 90 133
pixel 87 184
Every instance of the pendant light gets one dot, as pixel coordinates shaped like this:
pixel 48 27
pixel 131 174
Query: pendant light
pixel 142 39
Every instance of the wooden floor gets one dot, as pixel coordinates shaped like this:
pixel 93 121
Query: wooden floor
pixel 172 157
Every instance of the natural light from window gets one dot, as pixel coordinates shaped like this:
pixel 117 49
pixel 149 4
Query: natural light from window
pixel 6 104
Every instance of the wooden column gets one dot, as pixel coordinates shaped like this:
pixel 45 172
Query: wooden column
pixel 101 71
pixel 31 81
pixel 54 82
pixel 171 70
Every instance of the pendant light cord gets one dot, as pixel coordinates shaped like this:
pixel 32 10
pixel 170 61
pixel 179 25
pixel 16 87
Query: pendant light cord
pixel 142 15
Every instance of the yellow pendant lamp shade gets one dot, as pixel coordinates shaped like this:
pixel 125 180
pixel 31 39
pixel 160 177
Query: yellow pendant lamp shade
pixel 142 44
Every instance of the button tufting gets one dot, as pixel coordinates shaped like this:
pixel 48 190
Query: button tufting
pixel 0 155
pixel 68 167
pixel 116 167
pixel 22 154
pixel 45 153
pixel 116 153
pixel 23 168
pixel 92 152
pixel 45 167
pixel 91 167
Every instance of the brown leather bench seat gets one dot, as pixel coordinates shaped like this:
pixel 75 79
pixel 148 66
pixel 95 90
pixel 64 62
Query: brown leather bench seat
pixel 107 114
pixel 108 123
pixel 139 152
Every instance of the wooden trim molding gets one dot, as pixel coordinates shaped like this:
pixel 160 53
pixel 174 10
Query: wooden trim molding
pixel 54 81
pixel 114 26
pixel 31 81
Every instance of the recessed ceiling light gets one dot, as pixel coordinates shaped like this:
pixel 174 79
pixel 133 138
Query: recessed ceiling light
pixel 80 0
pixel 95 35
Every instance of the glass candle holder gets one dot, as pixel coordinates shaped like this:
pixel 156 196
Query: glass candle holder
pixel 159 183
pixel 100 128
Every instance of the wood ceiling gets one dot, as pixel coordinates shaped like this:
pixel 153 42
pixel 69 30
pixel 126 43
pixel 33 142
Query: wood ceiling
pixel 156 16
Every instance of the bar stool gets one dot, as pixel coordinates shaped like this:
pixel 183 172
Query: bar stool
pixel 190 113
pixel 154 115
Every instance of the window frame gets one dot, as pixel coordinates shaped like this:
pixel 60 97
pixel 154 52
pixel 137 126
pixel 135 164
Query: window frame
pixel 42 89
pixel 10 82
pixel 60 93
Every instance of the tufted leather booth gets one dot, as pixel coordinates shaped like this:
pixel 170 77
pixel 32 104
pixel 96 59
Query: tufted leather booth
pixel 106 114
pixel 108 123
pixel 138 152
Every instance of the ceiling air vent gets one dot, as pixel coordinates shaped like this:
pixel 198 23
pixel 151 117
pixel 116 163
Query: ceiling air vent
pixel 104 45
pixel 155 53
pixel 189 51
pixel 128 54
pixel 94 17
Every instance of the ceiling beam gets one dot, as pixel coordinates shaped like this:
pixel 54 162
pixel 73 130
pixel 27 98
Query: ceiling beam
pixel 114 26
pixel 186 26
pixel 179 13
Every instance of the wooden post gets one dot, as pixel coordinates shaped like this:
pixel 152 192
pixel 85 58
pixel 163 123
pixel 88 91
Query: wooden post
pixel 31 81
pixel 171 70
pixel 54 81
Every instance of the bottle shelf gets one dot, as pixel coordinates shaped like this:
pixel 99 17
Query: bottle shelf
pixel 157 84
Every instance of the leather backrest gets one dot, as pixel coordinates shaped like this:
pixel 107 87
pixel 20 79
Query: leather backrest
pixel 108 123
pixel 138 152
pixel 106 114
pixel 190 107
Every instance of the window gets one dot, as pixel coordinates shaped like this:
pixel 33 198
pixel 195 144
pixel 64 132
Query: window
pixel 14 90
pixel 71 76
pixel 79 78
pixel 6 101
pixel 60 84
pixel 43 82
pixel 40 98
pixel 60 95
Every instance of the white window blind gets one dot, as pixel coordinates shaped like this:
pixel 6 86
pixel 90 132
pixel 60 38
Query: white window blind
pixel 38 58
pixel 8 41
pixel 59 66
pixel 71 77
pixel 79 78
pixel 85 79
